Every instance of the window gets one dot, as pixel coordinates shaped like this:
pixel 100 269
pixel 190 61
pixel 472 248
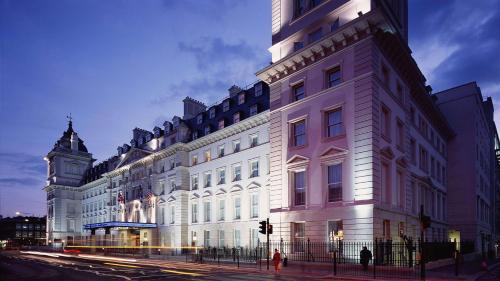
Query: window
pixel 194 160
pixel 253 110
pixel 221 238
pixel 386 183
pixel 254 140
pixel 299 233
pixel 412 115
pixel 297 46
pixel 298 92
pixel 241 98
pixel 194 213
pixel 254 211
pixel 335 231
pixel 314 36
pixel 254 238
pixel 236 146
pixel 334 25
pixel 399 91
pixel 207 179
pixel 423 159
pixel 299 8
pixel 206 238
pixel 258 89
pixel 237 208
pixel 207 130
pixel 236 172
pixel 400 135
pixel 299 186
pixel 206 211
pixel 172 185
pixel 400 187
pixel 208 155
pixel 334 182
pixel 221 175
pixel 225 105
pixel 220 151
pixel 236 117
pixel 334 123
pixel 172 164
pixel 237 238
pixel 172 214
pixel 254 168
pixel 199 119
pixel 333 77
pixel 221 124
pixel 212 112
pixel 386 229
pixel 433 167
pixel 299 133
pixel 413 151
pixel 222 209
pixel 386 123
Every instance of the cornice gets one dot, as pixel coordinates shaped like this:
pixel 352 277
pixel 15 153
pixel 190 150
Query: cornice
pixel 347 35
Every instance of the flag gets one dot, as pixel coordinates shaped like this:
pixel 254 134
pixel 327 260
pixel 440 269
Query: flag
pixel 121 199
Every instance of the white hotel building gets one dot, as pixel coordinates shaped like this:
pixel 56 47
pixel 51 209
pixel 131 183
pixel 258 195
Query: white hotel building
pixel 202 180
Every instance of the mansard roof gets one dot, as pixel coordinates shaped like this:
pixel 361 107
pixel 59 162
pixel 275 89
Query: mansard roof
pixel 64 143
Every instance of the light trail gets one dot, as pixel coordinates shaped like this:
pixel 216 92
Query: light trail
pixel 122 265
pixel 194 274
pixel 106 258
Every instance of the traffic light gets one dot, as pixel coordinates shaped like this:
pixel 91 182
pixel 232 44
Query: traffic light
pixel 270 229
pixel 262 227
pixel 425 221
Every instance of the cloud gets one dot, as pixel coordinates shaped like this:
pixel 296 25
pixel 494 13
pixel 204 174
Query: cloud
pixel 23 163
pixel 210 9
pixel 20 182
pixel 455 42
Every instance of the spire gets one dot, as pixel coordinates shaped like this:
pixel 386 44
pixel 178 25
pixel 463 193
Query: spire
pixel 70 123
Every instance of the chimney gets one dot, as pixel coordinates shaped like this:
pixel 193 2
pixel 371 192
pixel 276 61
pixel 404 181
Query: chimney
pixel 428 88
pixel 74 141
pixel 192 107
pixel 234 90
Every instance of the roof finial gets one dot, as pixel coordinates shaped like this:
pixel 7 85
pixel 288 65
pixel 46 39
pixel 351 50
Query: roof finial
pixel 70 123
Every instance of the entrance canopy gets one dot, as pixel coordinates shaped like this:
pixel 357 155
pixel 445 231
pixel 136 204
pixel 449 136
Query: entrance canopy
pixel 119 224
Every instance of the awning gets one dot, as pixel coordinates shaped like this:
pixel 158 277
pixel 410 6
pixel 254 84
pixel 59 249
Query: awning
pixel 119 224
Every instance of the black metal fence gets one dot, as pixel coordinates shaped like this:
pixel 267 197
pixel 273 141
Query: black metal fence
pixel 375 259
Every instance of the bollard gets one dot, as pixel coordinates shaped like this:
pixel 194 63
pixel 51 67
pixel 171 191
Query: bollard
pixel 456 263
pixel 334 263
pixel 238 257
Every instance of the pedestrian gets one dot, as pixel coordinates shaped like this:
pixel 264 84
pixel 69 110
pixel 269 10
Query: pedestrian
pixel 365 256
pixel 276 261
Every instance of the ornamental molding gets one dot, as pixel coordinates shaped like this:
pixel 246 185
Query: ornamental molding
pixel 236 188
pixel 253 185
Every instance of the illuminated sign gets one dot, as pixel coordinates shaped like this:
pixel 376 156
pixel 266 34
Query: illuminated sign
pixel 119 224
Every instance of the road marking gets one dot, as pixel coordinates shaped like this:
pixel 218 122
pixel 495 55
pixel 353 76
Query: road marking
pixel 183 272
pixel 120 264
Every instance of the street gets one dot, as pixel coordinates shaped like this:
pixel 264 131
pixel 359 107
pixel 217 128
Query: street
pixel 49 266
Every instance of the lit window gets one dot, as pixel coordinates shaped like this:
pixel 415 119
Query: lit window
pixel 299 186
pixel 241 98
pixel 194 160
pixel 254 168
pixel 253 110
pixel 334 123
pixel 334 183
pixel 236 172
pixel 236 117
pixel 298 92
pixel 299 133
pixel 208 155
pixel 333 77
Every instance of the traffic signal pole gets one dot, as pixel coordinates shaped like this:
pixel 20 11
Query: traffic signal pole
pixel 267 234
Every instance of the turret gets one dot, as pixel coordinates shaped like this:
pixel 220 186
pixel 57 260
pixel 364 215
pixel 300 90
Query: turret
pixel 74 141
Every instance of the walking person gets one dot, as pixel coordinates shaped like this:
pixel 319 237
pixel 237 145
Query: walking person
pixel 365 256
pixel 276 261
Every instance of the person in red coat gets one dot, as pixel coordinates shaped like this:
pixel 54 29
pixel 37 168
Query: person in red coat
pixel 276 261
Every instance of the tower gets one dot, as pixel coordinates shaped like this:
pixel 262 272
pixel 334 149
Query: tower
pixel 67 163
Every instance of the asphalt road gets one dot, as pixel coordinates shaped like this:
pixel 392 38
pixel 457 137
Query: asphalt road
pixel 25 266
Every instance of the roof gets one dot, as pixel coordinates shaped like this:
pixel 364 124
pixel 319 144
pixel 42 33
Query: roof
pixel 65 141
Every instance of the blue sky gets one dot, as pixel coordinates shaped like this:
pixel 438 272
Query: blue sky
pixel 116 65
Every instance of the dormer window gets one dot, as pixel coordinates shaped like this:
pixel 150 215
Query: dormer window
pixel 241 98
pixel 199 119
pixel 157 132
pixel 207 130
pixel 195 135
pixel 221 124
pixel 148 137
pixel 314 36
pixel 297 46
pixel 225 106
pixel 253 110
pixel 258 90
pixel 212 112
pixel 140 141
pixel 236 117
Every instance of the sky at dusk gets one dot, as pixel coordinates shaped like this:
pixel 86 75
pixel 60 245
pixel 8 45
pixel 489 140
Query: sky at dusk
pixel 115 65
